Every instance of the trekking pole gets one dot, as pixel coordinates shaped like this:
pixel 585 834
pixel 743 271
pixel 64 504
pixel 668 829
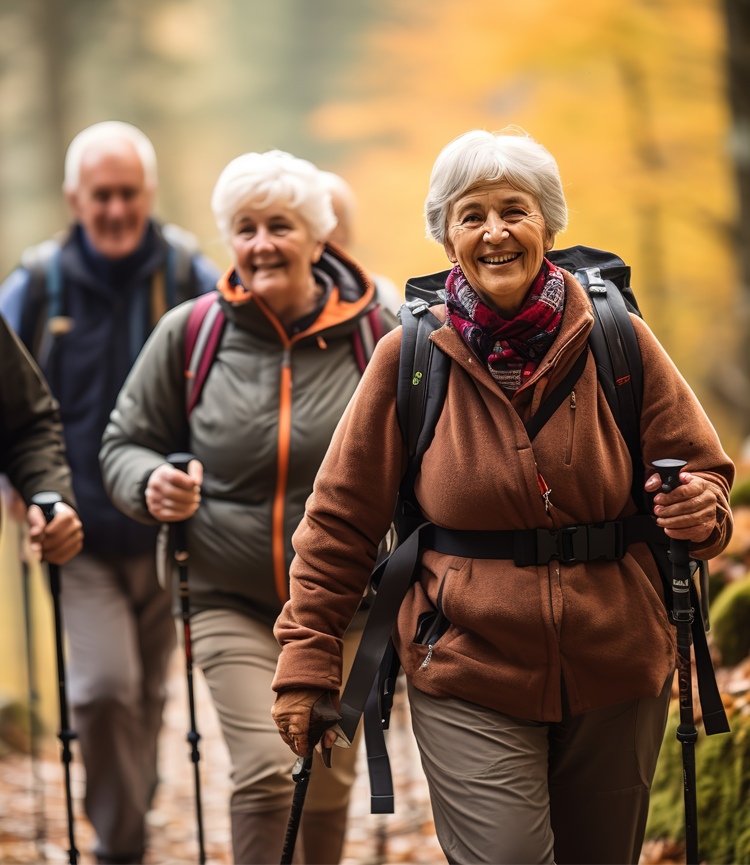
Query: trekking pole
pixel 682 615
pixel 323 716
pixel 40 833
pixel 47 501
pixel 180 461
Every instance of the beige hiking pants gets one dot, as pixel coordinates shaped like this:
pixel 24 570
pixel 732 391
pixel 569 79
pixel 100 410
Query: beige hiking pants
pixel 507 790
pixel 120 635
pixel 238 656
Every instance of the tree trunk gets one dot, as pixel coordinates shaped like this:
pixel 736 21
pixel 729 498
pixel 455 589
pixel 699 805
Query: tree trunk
pixel 738 27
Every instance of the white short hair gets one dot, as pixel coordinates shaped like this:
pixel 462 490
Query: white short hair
pixel 275 177
pixel 478 156
pixel 103 133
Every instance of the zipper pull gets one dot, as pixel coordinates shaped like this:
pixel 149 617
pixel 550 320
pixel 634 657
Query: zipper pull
pixel 573 400
pixel 544 490
pixel 423 665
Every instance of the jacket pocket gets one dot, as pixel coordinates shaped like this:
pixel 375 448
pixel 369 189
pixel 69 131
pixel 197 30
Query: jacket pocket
pixel 431 626
pixel 571 428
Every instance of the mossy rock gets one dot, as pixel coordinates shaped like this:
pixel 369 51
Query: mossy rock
pixel 740 494
pixel 730 622
pixel 722 787
pixel 716 584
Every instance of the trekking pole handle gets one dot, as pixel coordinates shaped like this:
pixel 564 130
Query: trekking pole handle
pixel 669 472
pixel 679 551
pixel 180 460
pixel 46 502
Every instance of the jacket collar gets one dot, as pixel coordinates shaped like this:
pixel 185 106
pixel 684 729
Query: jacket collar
pixel 82 264
pixel 350 294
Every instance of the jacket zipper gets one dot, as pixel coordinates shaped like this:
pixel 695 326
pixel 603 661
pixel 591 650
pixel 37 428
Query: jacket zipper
pixel 283 452
pixel 571 428
pixel 282 472
pixel 437 633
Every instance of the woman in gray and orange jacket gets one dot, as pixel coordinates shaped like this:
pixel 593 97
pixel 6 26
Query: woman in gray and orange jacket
pixel 288 362
pixel 539 710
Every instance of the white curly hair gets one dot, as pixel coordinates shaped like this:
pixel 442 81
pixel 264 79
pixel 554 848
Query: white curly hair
pixel 263 179
pixel 479 156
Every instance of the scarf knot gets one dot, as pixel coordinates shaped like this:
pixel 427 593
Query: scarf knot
pixel 512 349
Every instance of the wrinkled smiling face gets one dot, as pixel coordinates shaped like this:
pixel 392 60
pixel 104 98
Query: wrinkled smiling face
pixel 112 201
pixel 273 250
pixel 498 236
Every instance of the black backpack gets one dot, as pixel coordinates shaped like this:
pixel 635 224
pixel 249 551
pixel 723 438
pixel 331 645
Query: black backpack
pixel 422 385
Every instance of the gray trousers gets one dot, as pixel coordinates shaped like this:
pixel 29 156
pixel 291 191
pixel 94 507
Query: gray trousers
pixel 508 790
pixel 238 657
pixel 120 634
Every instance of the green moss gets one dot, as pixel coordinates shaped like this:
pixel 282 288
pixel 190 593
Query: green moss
pixel 740 494
pixel 730 622
pixel 723 790
pixel 716 583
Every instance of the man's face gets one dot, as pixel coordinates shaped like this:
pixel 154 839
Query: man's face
pixel 112 201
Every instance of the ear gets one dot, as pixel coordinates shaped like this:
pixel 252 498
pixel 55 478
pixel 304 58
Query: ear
pixel 318 251
pixel 450 250
pixel 549 241
pixel 71 196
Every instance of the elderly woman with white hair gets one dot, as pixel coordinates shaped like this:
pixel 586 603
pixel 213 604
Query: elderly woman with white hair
pixel 299 320
pixel 538 689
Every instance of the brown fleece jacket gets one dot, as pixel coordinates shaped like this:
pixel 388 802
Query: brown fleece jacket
pixel 515 631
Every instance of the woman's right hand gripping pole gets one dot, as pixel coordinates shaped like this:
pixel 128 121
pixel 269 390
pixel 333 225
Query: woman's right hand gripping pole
pixel 173 496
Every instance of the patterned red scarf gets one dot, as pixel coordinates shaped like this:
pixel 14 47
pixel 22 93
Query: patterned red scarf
pixel 512 349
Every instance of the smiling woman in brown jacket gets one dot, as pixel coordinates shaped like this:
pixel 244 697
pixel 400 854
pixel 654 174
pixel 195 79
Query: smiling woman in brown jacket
pixel 540 710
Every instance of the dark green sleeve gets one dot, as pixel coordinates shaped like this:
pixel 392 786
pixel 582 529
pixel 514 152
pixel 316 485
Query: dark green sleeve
pixel 149 420
pixel 32 447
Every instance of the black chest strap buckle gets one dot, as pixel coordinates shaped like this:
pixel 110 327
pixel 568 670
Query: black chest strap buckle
pixel 570 544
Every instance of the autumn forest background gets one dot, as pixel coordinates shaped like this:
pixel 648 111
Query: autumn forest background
pixel 645 104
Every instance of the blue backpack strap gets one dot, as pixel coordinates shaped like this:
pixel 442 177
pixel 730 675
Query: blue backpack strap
pixel 179 276
pixel 41 262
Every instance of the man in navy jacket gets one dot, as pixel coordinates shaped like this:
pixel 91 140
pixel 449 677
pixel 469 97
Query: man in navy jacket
pixel 84 304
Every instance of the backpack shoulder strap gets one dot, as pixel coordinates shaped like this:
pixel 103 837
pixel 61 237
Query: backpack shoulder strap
pixel 44 297
pixel 202 335
pixel 366 336
pixel 179 277
pixel 423 375
pixel 558 396
pixel 619 366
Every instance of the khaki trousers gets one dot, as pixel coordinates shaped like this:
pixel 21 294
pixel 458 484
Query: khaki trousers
pixel 120 634
pixel 507 790
pixel 238 656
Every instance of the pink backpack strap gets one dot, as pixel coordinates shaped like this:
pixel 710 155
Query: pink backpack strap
pixel 366 337
pixel 202 336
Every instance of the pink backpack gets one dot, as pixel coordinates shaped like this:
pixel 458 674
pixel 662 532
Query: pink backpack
pixel 206 323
